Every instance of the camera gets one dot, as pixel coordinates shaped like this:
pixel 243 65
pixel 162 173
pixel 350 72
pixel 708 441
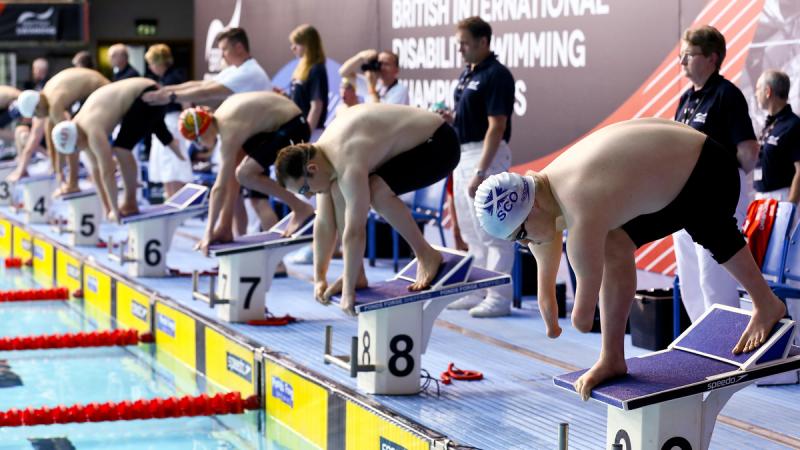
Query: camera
pixel 371 65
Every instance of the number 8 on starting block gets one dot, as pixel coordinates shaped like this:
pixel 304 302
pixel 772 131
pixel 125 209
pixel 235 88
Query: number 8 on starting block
pixel 395 324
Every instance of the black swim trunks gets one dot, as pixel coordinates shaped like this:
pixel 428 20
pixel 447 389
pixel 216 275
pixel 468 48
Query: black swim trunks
pixel 424 164
pixel 264 147
pixel 140 122
pixel 705 207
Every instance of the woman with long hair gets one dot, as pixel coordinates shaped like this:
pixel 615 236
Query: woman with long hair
pixel 309 89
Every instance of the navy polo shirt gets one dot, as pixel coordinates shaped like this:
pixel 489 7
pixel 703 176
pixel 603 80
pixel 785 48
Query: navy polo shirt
pixel 487 89
pixel 315 87
pixel 780 149
pixel 718 110
pixel 127 72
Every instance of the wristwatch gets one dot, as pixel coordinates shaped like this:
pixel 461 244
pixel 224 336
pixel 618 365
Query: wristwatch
pixel 173 97
pixel 480 173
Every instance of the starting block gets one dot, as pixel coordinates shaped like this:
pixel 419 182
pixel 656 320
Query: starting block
pixel 34 194
pixel 5 188
pixel 671 399
pixel 246 270
pixel 150 232
pixel 84 215
pixel 395 324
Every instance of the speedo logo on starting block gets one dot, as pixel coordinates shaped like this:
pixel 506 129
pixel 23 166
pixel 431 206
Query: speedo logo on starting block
pixel 165 324
pixel 389 445
pixel 726 382
pixel 92 284
pixel 73 272
pixel 283 391
pixel 139 311
pixel 240 367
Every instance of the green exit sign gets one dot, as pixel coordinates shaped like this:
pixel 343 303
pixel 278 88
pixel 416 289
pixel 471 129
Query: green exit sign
pixel 146 27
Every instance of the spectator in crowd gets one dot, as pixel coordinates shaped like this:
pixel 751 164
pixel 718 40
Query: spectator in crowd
pixel 309 89
pixel 380 70
pixel 484 101
pixel 717 108
pixel 40 69
pixel 777 172
pixel 118 55
pixel 164 166
pixel 241 74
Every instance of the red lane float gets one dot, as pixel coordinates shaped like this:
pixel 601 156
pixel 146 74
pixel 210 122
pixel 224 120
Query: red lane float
pixel 74 340
pixel 13 263
pixel 157 408
pixel 19 295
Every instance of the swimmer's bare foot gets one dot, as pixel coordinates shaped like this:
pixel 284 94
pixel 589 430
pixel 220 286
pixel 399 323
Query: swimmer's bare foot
pixel 209 239
pixel 336 287
pixel 301 214
pixel 549 312
pixel 348 303
pixel 757 331
pixel 427 268
pixel 128 210
pixel 604 369
pixel 15 176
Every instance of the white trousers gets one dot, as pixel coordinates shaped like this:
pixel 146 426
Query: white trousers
pixel 164 166
pixel 703 280
pixel 488 252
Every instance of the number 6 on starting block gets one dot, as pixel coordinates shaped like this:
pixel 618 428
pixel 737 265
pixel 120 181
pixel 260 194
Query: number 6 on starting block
pixel 395 325
pixel 150 232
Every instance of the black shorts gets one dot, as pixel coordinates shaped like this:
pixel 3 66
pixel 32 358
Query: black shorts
pixel 424 164
pixel 705 207
pixel 5 117
pixel 140 122
pixel 264 147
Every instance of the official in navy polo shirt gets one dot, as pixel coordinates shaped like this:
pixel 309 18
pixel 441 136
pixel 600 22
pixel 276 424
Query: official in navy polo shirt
pixel 484 101
pixel 777 172
pixel 716 107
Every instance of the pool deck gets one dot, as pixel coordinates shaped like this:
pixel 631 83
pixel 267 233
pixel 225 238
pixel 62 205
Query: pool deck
pixel 516 406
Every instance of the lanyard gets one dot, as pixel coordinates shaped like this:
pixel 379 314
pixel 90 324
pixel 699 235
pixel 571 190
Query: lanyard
pixel 689 110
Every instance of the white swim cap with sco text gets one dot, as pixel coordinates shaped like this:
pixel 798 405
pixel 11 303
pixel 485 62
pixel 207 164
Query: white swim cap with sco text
pixel 65 136
pixel 502 203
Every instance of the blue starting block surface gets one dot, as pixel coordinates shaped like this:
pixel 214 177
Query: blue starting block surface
pixel 269 239
pixel 455 276
pixel 77 195
pixel 36 178
pixel 189 200
pixel 700 360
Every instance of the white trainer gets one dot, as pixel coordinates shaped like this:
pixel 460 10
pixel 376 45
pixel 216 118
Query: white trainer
pixel 466 302
pixel 491 307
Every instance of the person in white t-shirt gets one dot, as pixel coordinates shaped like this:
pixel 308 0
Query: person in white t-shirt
pixel 242 74
pixel 380 70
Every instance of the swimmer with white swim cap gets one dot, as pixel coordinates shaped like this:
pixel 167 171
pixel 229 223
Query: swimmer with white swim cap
pixel 48 108
pixel 617 189
pixel 118 102
pixel 367 157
